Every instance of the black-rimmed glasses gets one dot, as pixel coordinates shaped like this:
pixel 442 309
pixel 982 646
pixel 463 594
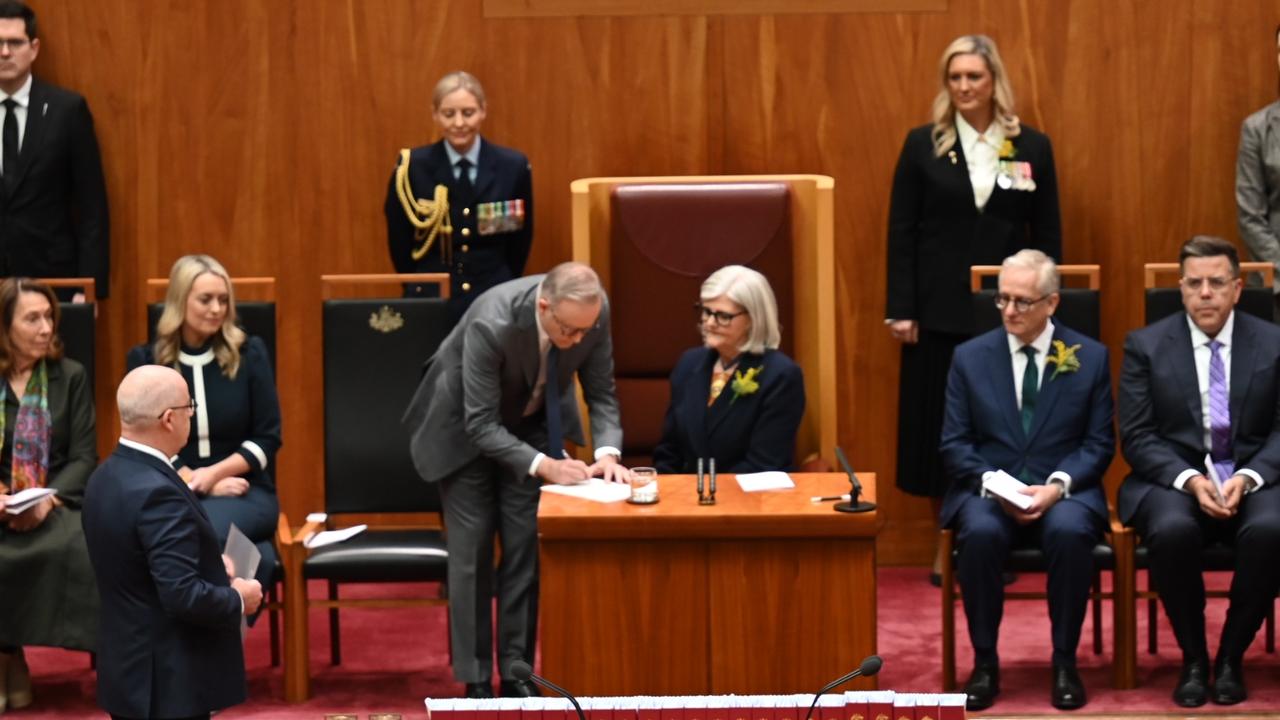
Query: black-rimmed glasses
pixel 191 406
pixel 1020 304
pixel 722 318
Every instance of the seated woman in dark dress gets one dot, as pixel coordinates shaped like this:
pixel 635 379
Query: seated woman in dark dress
pixel 47 590
pixel 235 432
pixel 737 398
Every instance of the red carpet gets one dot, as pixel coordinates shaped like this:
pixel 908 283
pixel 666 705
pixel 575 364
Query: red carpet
pixel 394 658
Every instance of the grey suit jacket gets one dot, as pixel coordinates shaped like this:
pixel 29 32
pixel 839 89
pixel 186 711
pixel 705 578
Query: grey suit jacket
pixel 1258 185
pixel 473 393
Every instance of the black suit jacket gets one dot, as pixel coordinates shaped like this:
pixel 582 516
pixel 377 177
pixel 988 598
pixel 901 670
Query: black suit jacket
pixel 53 218
pixel 753 433
pixel 479 262
pixel 936 233
pixel 1161 421
pixel 1071 430
pixel 170 624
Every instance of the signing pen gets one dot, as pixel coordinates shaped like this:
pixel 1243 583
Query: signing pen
pixel 829 498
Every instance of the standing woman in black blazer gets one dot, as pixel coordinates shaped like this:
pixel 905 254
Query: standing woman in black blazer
pixel 463 205
pixel 737 398
pixel 971 188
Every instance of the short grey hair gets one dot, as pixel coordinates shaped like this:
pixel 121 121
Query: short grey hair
pixel 572 281
pixel 145 393
pixel 1048 281
pixel 751 290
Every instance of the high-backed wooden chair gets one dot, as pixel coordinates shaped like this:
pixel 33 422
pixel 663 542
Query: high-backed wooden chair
pixel 1162 300
pixel 653 240
pixel 1080 310
pixel 374 350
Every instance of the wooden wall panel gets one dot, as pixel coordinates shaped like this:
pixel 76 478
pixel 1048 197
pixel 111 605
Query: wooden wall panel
pixel 264 133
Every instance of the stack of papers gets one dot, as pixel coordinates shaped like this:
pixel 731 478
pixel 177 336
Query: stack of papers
pixel 1005 486
pixel 771 480
pixel 23 501
pixel 595 490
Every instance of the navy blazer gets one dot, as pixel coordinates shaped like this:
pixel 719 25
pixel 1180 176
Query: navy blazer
pixel 479 262
pixel 1161 425
pixel 170 622
pixel 1072 429
pixel 936 233
pixel 751 433
pixel 53 221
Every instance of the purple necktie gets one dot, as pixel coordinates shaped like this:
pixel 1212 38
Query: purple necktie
pixel 1219 414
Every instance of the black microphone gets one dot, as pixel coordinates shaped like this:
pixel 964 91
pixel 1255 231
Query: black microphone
pixel 854 505
pixel 521 671
pixel 869 667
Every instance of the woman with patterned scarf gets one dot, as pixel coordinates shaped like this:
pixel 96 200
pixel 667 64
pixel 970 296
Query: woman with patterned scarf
pixel 47 428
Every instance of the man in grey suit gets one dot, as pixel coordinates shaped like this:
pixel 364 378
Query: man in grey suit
pixel 488 422
pixel 1258 186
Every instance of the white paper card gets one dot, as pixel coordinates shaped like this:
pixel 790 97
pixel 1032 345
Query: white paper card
pixel 595 490
pixel 1003 485
pixel 20 502
pixel 771 480
pixel 329 537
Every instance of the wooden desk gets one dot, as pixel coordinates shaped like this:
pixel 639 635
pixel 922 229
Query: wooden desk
pixel 760 593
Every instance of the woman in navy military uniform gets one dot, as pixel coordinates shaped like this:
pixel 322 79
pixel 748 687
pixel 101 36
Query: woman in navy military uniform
pixel 463 205
pixel 235 432
pixel 736 399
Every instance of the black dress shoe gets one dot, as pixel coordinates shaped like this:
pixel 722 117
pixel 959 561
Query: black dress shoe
pixel 1228 683
pixel 1068 689
pixel 476 691
pixel 982 688
pixel 519 689
pixel 1192 689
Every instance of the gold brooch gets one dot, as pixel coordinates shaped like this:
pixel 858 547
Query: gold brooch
pixel 386 320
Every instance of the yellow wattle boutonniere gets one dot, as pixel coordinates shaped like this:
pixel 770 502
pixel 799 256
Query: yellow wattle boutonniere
pixel 1008 151
pixel 1063 358
pixel 744 383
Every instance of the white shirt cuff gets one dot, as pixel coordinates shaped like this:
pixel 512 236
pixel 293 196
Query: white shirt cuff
pixel 1180 482
pixel 608 450
pixel 1066 482
pixel 1257 479
pixel 533 466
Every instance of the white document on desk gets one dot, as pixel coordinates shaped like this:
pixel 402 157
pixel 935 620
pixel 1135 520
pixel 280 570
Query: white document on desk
pixel 329 537
pixel 760 481
pixel 1008 487
pixel 595 490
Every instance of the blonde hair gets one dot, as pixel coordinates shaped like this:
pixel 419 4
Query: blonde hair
pixel 228 339
pixel 751 290
pixel 460 80
pixel 944 112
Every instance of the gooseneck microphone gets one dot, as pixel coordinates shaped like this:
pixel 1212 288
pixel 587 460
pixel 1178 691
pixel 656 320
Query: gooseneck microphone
pixel 869 667
pixel 520 670
pixel 855 490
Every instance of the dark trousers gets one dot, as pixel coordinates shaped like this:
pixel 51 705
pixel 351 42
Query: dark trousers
pixel 985 535
pixel 480 499
pixel 193 717
pixel 1174 530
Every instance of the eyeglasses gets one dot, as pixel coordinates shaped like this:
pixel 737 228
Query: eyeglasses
pixel 1020 304
pixel 568 330
pixel 14 44
pixel 190 406
pixel 1216 284
pixel 722 318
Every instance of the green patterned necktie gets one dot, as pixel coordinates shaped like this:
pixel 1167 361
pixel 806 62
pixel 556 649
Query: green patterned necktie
pixel 1030 388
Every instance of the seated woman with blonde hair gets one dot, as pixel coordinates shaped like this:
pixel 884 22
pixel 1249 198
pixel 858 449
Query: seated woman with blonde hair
pixel 737 399
pixel 235 431
pixel 47 591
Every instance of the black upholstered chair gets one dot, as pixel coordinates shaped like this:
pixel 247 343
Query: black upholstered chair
pixel 1160 302
pixel 78 328
pixel 1079 309
pixel 374 350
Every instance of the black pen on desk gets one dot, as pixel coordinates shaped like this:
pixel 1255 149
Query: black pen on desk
pixel 830 498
